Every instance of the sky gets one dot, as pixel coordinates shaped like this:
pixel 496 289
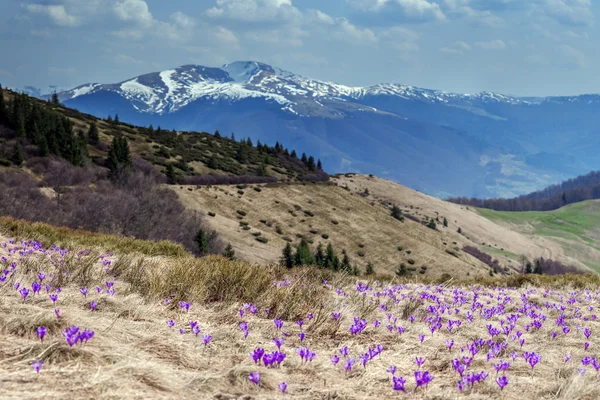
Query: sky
pixel 515 47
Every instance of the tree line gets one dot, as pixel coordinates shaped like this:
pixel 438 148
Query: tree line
pixel 585 187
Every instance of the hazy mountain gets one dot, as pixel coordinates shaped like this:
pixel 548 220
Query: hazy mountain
pixel 484 144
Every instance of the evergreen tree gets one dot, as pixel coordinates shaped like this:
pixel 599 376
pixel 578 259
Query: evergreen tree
pixel 249 142
pixel 17 156
pixel 539 269
pixel 217 134
pixel 303 256
pixel 331 259
pixel 3 116
pixel 459 230
pixel 42 143
pixel 319 165
pixel 171 175
pixel 233 136
pixel 241 155
pixel 116 120
pixel 293 154
pixel 432 224
pixel 213 163
pixel 202 241
pixel 355 271
pixel 304 159
pixel 229 252
pixel 529 268
pixel 262 170
pixel 397 213
pixel 109 119
pixel 320 256
pixel 311 164
pixel 445 222
pixel 119 158
pixel 55 98
pixel 21 127
pixel 287 260
pixel 369 270
pixel 345 266
pixel 93 135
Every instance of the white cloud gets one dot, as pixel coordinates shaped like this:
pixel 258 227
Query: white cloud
pixel 571 57
pixel 57 13
pixel 421 9
pixel 319 17
pixel 134 10
pixel 254 10
pixel 569 12
pixel 459 47
pixel 492 45
pixel 349 32
pixel 125 59
pixel 225 35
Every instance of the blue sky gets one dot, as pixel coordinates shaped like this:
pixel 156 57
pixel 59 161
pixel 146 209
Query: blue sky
pixel 520 47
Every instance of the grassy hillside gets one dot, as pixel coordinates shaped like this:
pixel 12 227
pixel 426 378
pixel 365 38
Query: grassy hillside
pixel 576 228
pixel 363 225
pixel 146 344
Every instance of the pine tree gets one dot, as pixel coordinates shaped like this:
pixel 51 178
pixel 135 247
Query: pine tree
pixel 232 137
pixel 319 165
pixel 355 271
pixel 55 98
pixel 213 163
pixel 21 127
pixel 331 259
pixel 17 156
pixel 320 256
pixel 229 252
pixel 287 260
pixel 311 164
pixel 345 266
pixel 262 170
pixel 41 142
pixel 2 107
pixel 397 213
pixel 124 153
pixel 217 134
pixel 401 271
pixel 303 256
pixel 432 224
pixel 249 142
pixel 304 159
pixel 116 120
pixel 293 154
pixel 445 222
pixel 119 158
pixel 369 270
pixel 202 241
pixel 529 268
pixel 170 173
pixel 459 230
pixel 539 269
pixel 93 135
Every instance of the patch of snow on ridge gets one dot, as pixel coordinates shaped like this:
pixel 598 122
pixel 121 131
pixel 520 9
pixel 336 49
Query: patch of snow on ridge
pixel 82 90
pixel 134 90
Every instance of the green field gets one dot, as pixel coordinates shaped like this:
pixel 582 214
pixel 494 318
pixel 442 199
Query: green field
pixel 575 227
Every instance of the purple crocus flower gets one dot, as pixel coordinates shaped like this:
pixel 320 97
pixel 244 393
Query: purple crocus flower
pixel 278 323
pixel 93 305
pixel 334 359
pixel 336 315
pixel 57 312
pixel 391 369
pixel 344 351
pixel 349 363
pixel 183 305
pixel 206 338
pixel 41 332
pixel 84 291
pixel 399 383
pixel 283 387
pixel 302 335
pixel 257 355
pixel 254 377
pixel 53 298
pixel 419 361
pixel 41 276
pixel 24 293
pixel 36 287
pixel 278 342
pixel 37 366
pixel 422 378
pixel 171 323
pixel 502 381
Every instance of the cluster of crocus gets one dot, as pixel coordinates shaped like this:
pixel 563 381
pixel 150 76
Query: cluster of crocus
pixel 74 334
pixel 422 378
pixel 305 354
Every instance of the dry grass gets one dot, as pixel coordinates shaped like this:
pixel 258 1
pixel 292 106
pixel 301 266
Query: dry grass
pixel 135 355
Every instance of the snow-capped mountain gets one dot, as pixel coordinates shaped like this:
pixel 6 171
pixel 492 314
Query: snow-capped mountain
pixel 171 90
pixel 483 144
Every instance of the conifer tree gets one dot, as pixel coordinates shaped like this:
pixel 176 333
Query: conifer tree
pixel 116 120
pixel 320 256
pixel 217 134
pixel 293 154
pixel 345 266
pixel 170 173
pixel 303 256
pixel 304 158
pixel 287 259
pixel 331 259
pixel 93 134
pixel 229 252
pixel 2 107
pixel 369 270
pixel 55 98
pixel 202 241
pixel 249 142
pixel 319 165
pixel 445 222
pixel 262 170
pixel 17 156
pixel 397 213
pixel 311 164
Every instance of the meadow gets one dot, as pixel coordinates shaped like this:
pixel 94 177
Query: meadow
pixel 83 322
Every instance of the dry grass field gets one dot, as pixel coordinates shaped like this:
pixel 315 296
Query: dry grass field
pixel 133 299
pixel 362 225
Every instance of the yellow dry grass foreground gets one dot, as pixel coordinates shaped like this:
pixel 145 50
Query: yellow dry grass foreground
pixel 134 354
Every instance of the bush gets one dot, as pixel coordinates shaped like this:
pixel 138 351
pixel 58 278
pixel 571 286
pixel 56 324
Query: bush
pixel 325 236
pixel 242 213
pixel 361 245
pixel 262 239
pixel 211 214
pixel 257 189
pixel 360 253
pixel 240 192
pixel 256 234
pixel 244 223
pixel 335 222
pixel 309 213
pixel 411 261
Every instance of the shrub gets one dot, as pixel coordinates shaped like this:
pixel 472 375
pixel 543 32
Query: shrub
pixel 211 214
pixel 279 230
pixel 257 189
pixel 256 234
pixel 240 192
pixel 309 213
pixel 325 236
pixel 360 253
pixel 287 238
pixel 243 223
pixel 335 222
pixel 314 231
pixel 262 239
pixel 361 245
pixel 242 213
pixel 411 261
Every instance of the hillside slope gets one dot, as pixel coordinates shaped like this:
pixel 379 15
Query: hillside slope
pixel 575 228
pixel 363 226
